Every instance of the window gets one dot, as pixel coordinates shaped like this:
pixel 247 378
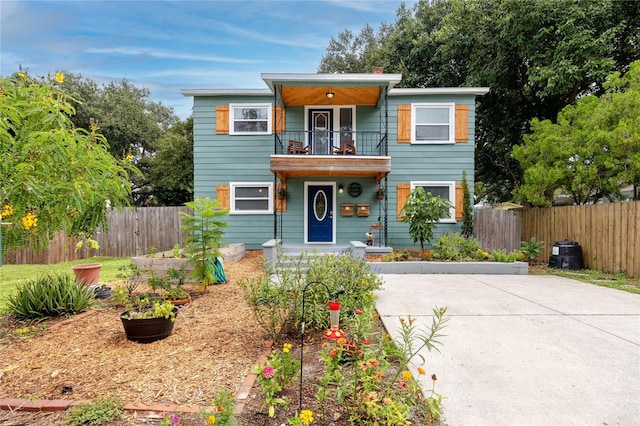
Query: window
pixel 433 123
pixel 252 198
pixel 444 190
pixel 250 119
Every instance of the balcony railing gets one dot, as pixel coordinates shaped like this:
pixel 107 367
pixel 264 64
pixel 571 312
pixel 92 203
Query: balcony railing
pixel 329 143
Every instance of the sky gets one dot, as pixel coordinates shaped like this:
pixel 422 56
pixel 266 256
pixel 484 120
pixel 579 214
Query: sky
pixel 166 46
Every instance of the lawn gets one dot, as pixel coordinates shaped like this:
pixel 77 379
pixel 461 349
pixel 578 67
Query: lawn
pixel 13 275
pixel 619 281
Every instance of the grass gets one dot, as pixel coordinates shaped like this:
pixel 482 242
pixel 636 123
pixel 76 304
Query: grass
pixel 618 281
pixel 12 275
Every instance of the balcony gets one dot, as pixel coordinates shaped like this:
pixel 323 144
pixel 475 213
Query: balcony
pixel 321 155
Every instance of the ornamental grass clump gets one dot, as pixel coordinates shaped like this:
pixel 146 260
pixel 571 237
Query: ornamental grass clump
pixel 49 296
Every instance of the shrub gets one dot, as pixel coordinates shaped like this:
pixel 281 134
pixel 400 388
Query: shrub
pixel 277 303
pixel 101 410
pixel 532 249
pixel 501 255
pixel 49 296
pixel 453 246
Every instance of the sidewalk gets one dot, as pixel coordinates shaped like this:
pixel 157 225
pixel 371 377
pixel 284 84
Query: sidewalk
pixel 525 350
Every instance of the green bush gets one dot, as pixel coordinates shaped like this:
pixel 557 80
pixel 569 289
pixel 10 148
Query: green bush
pixel 100 411
pixel 49 296
pixel 454 246
pixel 501 255
pixel 277 302
pixel 532 249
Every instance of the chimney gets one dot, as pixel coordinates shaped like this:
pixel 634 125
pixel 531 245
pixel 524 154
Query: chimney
pixel 378 70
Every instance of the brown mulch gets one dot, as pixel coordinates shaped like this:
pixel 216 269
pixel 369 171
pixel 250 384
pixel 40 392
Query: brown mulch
pixel 214 344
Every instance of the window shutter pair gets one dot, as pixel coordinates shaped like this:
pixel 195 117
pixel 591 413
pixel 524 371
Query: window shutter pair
pixel 404 189
pixel 223 195
pixel 222 120
pixel 461 130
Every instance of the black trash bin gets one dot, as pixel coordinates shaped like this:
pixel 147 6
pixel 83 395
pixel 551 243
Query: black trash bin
pixel 566 254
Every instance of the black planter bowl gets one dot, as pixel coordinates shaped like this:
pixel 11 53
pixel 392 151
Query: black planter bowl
pixel 147 330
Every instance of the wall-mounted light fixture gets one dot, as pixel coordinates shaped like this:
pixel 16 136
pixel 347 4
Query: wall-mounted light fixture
pixel 340 189
pixel 330 95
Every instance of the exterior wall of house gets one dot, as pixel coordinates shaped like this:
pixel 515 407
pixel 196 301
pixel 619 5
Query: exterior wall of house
pixel 222 158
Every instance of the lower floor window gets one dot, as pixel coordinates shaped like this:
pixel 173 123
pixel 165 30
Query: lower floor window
pixel 251 197
pixel 445 190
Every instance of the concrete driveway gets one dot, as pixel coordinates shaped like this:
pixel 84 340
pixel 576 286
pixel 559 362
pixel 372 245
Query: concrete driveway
pixel 525 350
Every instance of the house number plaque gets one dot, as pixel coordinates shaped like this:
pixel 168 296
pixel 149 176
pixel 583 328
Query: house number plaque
pixel 354 189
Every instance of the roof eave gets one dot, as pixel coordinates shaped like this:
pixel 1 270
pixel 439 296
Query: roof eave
pixel 389 80
pixel 477 91
pixel 226 92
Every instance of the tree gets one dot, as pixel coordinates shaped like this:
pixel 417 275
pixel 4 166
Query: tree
pixel 171 170
pixel 349 53
pixel 591 150
pixel 536 56
pixel 55 176
pixel 467 216
pixel 423 211
pixel 130 121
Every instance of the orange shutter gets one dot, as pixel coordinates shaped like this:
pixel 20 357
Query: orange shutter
pixel 222 120
pixel 279 120
pixel 459 201
pixel 222 195
pixel 403 189
pixel 281 204
pixel 404 123
pixel 462 123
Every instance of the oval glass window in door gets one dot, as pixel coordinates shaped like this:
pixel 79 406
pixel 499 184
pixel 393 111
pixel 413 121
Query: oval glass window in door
pixel 320 205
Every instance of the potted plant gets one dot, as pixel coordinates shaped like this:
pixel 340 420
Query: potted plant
pixel 381 193
pixel 87 273
pixel 147 321
pixel 282 193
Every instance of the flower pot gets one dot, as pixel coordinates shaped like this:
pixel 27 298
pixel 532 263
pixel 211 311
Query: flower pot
pixel 87 273
pixel 180 302
pixel 147 330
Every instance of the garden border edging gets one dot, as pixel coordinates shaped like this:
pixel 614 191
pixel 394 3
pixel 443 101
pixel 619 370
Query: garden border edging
pixel 431 267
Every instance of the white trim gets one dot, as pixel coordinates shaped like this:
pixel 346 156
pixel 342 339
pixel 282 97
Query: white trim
pixel 478 91
pixel 452 122
pixel 336 118
pixel 269 119
pixel 306 212
pixel 232 197
pixel 226 92
pixel 313 79
pixel 452 195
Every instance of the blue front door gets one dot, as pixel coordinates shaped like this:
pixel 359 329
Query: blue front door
pixel 320 213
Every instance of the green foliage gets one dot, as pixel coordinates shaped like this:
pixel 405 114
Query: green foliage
pixel 501 255
pixel 55 176
pixel 467 212
pixel 277 303
pixel 454 246
pixel 141 307
pixel 374 383
pixel 423 212
pixel 223 409
pixel 204 234
pixel 49 296
pixel 131 276
pixel 102 410
pixel 274 375
pixel 531 249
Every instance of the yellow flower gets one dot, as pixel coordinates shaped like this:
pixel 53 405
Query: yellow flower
pixel 286 348
pixel 59 77
pixel 406 375
pixel 387 401
pixel 306 417
pixel 29 221
pixel 21 75
pixel 7 210
pixel 211 420
pixel 421 371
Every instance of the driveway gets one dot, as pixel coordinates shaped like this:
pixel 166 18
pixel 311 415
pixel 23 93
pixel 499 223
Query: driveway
pixel 525 350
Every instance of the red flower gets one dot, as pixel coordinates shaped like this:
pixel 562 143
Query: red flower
pixel 268 372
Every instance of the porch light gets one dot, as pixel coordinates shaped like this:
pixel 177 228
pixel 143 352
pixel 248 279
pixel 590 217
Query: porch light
pixel 330 95
pixel 340 189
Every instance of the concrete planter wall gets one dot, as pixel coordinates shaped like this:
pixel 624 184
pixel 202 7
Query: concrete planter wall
pixel 160 263
pixel 431 267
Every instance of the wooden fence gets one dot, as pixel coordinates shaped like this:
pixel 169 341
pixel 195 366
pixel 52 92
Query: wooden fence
pixel 498 229
pixel 609 234
pixel 130 232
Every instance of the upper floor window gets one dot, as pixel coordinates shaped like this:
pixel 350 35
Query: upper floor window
pixel 250 119
pixel 249 197
pixel 433 123
pixel 443 189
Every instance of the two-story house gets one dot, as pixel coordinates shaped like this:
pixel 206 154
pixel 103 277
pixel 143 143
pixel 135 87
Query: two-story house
pixel 320 158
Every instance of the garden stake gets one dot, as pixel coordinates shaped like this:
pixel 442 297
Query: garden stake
pixel 332 297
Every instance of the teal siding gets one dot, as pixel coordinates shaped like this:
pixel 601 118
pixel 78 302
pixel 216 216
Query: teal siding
pixel 221 159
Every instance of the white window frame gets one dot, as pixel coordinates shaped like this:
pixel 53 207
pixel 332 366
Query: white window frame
pixel 336 119
pixel 451 124
pixel 232 119
pixel 232 196
pixel 452 196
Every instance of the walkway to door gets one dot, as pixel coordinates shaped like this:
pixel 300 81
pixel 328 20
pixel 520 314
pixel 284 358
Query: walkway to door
pixel 525 350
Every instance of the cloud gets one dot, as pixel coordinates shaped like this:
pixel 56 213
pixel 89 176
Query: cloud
pixel 158 53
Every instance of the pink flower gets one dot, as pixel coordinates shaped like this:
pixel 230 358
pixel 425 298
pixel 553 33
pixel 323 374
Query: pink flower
pixel 267 372
pixel 358 311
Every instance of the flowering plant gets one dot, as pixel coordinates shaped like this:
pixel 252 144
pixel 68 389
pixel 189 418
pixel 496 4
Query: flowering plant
pixel 140 307
pixel 87 243
pixel 221 412
pixel 275 374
